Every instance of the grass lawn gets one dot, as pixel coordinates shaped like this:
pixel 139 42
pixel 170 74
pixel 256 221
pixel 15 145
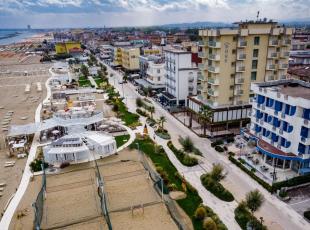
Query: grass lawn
pixel 129 118
pixel 192 200
pixel 83 81
pixel 98 80
pixel 120 140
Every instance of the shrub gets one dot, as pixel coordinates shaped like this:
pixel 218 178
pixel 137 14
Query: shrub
pixel 219 149
pixel 115 108
pixel 36 165
pixel 225 148
pixel 187 144
pixel 141 112
pixel 217 172
pixel 184 158
pixel 172 187
pixel 307 215
pixel 200 213
pixel 139 102
pixel 216 188
pixel 197 152
pixel 231 154
pixel 209 224
pixel 230 139
pixel 218 142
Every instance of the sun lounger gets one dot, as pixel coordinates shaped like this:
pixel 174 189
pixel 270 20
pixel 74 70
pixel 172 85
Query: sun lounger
pixel 8 165
pixel 1 189
pixel 2 184
pixel 39 87
pixel 27 88
pixel 1 194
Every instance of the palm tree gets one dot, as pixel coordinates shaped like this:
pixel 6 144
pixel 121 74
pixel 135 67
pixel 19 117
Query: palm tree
pixel 152 110
pixel 205 115
pixel 254 200
pixel 161 121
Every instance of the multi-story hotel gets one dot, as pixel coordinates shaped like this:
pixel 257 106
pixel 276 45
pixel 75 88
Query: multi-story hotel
pixel 280 123
pixel 130 58
pixel 255 51
pixel 181 77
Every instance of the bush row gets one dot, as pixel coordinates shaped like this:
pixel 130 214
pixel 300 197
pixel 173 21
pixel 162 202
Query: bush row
pixel 141 112
pixel 183 157
pixel 216 188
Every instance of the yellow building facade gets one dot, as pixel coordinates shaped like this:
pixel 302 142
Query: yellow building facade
pixel 65 47
pixel 118 56
pixel 232 59
pixel 130 58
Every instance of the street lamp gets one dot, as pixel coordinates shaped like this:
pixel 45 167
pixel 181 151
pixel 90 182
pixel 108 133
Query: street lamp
pixel 261 222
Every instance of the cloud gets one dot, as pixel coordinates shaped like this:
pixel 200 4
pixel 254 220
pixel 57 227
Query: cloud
pixel 55 13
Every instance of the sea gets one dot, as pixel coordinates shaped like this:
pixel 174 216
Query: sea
pixel 9 36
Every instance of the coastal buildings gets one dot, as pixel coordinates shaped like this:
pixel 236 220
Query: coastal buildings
pixel 68 47
pixel 130 58
pixel 280 124
pixel 232 59
pixel 181 77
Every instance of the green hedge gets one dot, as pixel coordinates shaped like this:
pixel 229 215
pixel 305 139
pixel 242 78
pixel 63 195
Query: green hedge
pixel 219 149
pixel 292 182
pixel 251 174
pixel 141 112
pixel 184 158
pixel 216 188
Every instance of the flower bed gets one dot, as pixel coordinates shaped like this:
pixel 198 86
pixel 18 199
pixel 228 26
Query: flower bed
pixel 183 157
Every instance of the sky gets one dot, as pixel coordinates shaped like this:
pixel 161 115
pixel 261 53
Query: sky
pixel 100 13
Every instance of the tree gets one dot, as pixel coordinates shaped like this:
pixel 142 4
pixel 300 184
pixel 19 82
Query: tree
pixel 139 102
pixel 209 224
pixel 187 144
pixel 217 172
pixel 84 70
pixel 254 200
pixel 200 213
pixel 161 121
pixel 152 110
pixel 205 115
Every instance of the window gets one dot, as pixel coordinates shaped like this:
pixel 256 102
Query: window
pixel 158 70
pixel 253 76
pixel 233 64
pixel 233 51
pixel 255 53
pixel 256 41
pixel 254 64
pixel 231 87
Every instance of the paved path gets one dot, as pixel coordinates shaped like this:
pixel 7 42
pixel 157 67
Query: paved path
pixel 277 214
pixel 92 81
pixel 9 212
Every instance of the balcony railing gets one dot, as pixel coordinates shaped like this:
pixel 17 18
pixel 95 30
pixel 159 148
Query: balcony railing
pixel 202 66
pixel 242 44
pixel 241 56
pixel 200 76
pixel 285 54
pixel 214 44
pixel 271 67
pixel 215 57
pixel 273 43
pixel 238 92
pixel 286 42
pixel 240 68
pixel 202 54
pixel 202 43
pixel 239 80
pixel 273 55
pixel 270 78
pixel 213 81
pixel 212 92
pixel 283 66
pixel 213 69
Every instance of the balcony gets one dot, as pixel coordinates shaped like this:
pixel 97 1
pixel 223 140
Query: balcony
pixel 212 92
pixel 213 69
pixel 270 78
pixel 273 42
pixel 213 81
pixel 286 42
pixel 282 77
pixel 202 66
pixel 306 123
pixel 273 55
pixel 238 92
pixel 190 88
pixel 240 69
pixel 202 55
pixel 283 66
pixel 214 44
pixel 242 44
pixel 241 56
pixel 202 43
pixel 239 80
pixel 200 77
pixel 214 57
pixel 285 54
pixel 199 87
pixel 271 67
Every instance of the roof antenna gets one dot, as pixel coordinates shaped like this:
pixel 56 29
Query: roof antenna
pixel 257 15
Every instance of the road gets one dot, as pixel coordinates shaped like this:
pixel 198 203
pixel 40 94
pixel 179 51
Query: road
pixel 276 214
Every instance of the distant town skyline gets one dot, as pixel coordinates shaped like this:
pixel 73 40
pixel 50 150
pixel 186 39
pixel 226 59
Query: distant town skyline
pixel 100 13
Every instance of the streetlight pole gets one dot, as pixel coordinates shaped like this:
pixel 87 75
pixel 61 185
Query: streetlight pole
pixel 261 222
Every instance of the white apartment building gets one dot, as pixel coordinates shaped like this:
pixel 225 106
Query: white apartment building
pixel 181 78
pixel 280 123
pixel 155 73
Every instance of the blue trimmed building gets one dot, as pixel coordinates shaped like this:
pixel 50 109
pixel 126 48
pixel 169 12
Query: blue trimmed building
pixel 280 123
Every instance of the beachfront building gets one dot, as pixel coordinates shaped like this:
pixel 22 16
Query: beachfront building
pixel 181 78
pixel 61 74
pixel 77 148
pixel 232 59
pixel 68 47
pixel 280 124
pixel 130 58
